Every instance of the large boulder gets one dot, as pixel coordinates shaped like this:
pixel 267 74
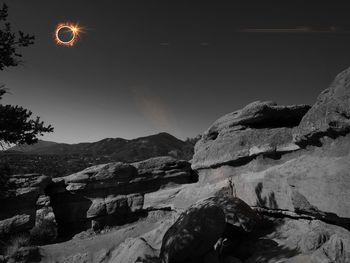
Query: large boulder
pixel 114 192
pixel 18 204
pixel 258 128
pixel 200 227
pixel 193 234
pixel 330 115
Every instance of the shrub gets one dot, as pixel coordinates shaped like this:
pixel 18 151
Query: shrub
pixel 44 232
pixel 15 243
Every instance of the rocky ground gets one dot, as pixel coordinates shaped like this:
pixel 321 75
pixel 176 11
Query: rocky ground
pixel 267 183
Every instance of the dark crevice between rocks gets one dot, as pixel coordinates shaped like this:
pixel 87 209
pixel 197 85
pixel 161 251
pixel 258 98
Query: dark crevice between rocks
pixel 281 213
pixel 328 218
pixel 117 219
pixel 235 163
pixel 276 123
pixel 68 230
pixel 165 208
pixel 315 138
pixel 194 176
pixel 212 135
pixel 276 155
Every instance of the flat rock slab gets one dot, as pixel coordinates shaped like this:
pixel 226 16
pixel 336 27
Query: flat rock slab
pixel 258 128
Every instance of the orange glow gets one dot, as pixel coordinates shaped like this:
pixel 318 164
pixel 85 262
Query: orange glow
pixel 74 29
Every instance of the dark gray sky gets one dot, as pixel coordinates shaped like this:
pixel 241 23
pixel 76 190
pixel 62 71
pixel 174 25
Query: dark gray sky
pixel 143 67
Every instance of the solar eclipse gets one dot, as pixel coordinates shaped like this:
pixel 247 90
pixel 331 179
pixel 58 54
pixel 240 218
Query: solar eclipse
pixel 66 34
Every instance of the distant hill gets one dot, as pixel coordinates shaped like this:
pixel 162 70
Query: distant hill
pixel 59 159
pixel 115 148
pixel 31 148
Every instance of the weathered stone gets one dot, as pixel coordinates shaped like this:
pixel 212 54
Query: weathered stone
pixel 198 229
pixel 315 183
pixel 256 150
pixel 97 208
pixel 260 114
pixel 293 241
pixel 193 234
pixel 162 167
pixel 330 116
pixel 114 190
pixel 115 205
pixel 100 176
pixel 336 249
pixel 133 250
pixel 259 128
pixel 237 212
pixel 18 205
pixel 183 196
pixel 43 201
pixel 91 248
pixel 15 224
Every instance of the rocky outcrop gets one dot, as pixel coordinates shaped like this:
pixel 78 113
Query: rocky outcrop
pixel 314 183
pixel 269 155
pixel 330 116
pixel 259 128
pixel 18 205
pixel 112 193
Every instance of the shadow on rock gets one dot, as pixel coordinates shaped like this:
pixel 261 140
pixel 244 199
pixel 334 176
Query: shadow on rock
pixel 269 201
pixel 255 246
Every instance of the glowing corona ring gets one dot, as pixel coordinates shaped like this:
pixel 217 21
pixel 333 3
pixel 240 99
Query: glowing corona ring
pixel 73 29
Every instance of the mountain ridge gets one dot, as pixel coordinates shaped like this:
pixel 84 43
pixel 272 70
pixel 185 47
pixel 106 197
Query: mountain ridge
pixel 156 144
pixel 60 159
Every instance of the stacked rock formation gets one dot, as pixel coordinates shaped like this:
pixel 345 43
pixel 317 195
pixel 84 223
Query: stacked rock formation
pixel 112 193
pixel 302 168
pixel 18 204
